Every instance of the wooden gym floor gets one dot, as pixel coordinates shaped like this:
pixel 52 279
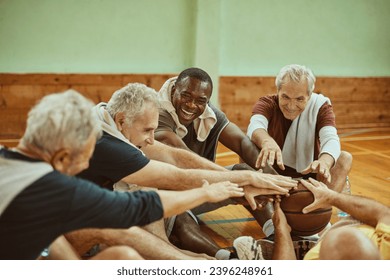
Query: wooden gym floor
pixel 370 176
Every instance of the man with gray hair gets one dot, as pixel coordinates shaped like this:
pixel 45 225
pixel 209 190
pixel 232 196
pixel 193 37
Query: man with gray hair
pixel 296 128
pixel 127 152
pixel 41 200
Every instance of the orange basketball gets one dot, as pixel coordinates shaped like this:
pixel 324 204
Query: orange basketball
pixel 304 224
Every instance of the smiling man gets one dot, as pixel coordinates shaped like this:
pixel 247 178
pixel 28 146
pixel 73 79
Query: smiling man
pixel 296 129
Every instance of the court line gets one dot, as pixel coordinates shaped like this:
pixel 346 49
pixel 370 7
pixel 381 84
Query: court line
pixel 228 221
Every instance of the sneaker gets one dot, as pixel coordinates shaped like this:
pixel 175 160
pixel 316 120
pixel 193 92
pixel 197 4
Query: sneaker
pixel 267 248
pixel 270 238
pixel 303 246
pixel 233 253
pixel 248 248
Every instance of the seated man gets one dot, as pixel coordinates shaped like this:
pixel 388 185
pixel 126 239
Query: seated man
pixel 366 238
pixel 189 121
pixel 41 200
pixel 127 153
pixel 296 128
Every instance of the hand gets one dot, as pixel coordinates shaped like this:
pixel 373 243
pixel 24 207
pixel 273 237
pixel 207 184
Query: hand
pixel 252 192
pixel 320 192
pixel 222 190
pixel 269 152
pixel 321 168
pixel 278 217
pixel 278 183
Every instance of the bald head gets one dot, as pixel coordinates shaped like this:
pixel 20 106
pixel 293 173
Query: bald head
pixel 348 243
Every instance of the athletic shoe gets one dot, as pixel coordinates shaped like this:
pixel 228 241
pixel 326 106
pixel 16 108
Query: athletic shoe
pixel 248 248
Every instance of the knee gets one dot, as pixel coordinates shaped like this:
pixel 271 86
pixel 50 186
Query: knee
pixel 345 160
pixel 122 253
pixel 185 224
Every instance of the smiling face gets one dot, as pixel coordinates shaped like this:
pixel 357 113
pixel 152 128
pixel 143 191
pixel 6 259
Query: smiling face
pixel 140 131
pixel 189 98
pixel 293 98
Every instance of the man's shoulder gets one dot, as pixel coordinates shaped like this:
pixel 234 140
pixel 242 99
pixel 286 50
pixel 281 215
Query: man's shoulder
pixel 109 142
pixel 218 112
pixel 266 105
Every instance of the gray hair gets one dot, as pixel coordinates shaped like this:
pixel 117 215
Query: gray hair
pixel 296 73
pixel 131 100
pixel 61 120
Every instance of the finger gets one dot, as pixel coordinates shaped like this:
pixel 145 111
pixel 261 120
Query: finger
pixel 329 179
pixel 271 158
pixel 258 161
pixel 238 193
pixel 264 159
pixel 307 170
pixel 279 160
pixel 306 184
pixel 315 166
pixel 276 205
pixel 204 183
pixel 308 208
pixel 252 202
pixel 238 189
pixel 314 182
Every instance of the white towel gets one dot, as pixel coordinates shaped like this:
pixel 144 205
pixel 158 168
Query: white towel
pixel 298 148
pixel 202 125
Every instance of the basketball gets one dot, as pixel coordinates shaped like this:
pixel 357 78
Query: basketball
pixel 304 224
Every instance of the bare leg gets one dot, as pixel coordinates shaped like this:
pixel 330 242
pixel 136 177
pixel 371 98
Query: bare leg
pixel 340 171
pixel 158 229
pixel 148 245
pixel 186 234
pixel 61 249
pixel 118 253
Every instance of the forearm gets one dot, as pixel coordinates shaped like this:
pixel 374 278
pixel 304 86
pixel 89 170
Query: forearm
pixel 176 203
pixel 182 158
pixel 361 208
pixel 249 152
pixel 188 159
pixel 328 159
pixel 260 136
pixel 283 245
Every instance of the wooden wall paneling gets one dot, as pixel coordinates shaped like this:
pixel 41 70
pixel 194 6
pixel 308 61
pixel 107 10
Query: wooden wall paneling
pixel 19 92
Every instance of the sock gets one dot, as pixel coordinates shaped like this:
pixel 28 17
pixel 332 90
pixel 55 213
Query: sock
pixel 268 228
pixel 222 254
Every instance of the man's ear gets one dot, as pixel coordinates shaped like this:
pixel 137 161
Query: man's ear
pixel 119 120
pixel 61 160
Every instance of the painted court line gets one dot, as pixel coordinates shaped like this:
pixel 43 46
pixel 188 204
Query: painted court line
pixel 241 220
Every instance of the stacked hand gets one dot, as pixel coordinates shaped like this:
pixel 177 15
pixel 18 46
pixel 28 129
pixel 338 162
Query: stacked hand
pixel 222 190
pixel 320 192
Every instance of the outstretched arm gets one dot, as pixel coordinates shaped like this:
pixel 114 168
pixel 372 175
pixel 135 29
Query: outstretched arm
pixel 283 245
pixel 361 208
pixel 166 176
pixel 234 139
pixel 175 202
pixel 182 158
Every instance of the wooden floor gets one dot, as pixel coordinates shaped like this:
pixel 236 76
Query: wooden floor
pixel 370 176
